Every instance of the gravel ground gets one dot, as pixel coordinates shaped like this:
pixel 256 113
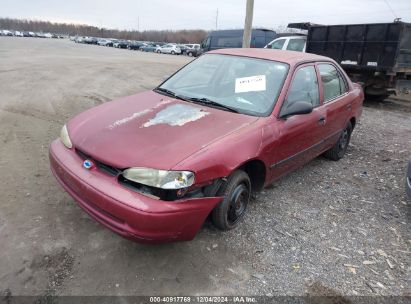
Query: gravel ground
pixel 336 228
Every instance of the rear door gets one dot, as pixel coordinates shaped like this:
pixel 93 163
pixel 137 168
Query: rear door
pixel 299 136
pixel 336 100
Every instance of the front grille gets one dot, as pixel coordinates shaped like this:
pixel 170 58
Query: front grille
pixel 103 167
pixel 153 192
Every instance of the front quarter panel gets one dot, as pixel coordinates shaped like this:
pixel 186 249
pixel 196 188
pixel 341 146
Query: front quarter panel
pixel 221 158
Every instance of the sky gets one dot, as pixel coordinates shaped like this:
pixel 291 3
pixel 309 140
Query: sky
pixel 196 14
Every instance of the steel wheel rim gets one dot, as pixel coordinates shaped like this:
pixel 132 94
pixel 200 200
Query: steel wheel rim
pixel 238 204
pixel 344 140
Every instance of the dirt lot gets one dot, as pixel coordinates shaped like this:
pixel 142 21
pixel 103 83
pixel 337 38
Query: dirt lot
pixel 338 228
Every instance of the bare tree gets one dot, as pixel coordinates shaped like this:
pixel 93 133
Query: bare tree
pixel 180 36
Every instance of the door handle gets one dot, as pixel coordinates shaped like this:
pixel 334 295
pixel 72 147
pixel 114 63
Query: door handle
pixel 321 121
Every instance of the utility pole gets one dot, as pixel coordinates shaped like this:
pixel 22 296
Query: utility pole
pixel 248 23
pixel 216 20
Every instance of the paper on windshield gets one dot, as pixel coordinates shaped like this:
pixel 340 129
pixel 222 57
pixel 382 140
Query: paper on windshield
pixel 250 84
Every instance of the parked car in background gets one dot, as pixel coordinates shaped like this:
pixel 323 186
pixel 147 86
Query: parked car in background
pixel 193 50
pixel 170 48
pixel 135 45
pixel 121 44
pixel 192 45
pixel 40 35
pixel 90 40
pixel 234 38
pixel 149 48
pixel 183 48
pixel 79 39
pixel 113 41
pixel 6 33
pixel 18 34
pixel 271 113
pixel 408 180
pixel 105 42
pixel 290 43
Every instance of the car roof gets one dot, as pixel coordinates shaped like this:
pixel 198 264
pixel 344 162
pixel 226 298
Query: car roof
pixel 290 57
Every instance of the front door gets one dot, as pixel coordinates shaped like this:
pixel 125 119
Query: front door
pixel 298 137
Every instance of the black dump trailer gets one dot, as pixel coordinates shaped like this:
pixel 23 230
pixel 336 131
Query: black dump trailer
pixel 377 55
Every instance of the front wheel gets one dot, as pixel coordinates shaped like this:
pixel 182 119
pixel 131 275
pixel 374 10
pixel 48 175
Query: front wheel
pixel 236 192
pixel 338 150
pixel 173 53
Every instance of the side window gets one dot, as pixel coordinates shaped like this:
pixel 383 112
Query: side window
pixel 206 43
pixel 334 84
pixel 296 45
pixel 278 45
pixel 304 87
pixel 229 42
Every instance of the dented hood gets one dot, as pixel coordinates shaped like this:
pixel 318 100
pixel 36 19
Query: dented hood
pixel 150 130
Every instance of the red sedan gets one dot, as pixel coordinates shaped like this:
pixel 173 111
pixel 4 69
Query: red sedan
pixel 153 166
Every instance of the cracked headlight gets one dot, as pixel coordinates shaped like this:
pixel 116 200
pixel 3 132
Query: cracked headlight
pixel 65 138
pixel 160 178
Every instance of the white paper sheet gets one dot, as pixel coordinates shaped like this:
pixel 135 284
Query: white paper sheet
pixel 250 84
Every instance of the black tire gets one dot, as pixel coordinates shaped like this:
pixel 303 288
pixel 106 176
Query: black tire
pixel 338 150
pixel 237 193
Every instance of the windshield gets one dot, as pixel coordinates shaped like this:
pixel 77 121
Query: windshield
pixel 245 85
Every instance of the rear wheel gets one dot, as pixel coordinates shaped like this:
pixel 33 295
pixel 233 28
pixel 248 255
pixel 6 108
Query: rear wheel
pixel 237 193
pixel 338 150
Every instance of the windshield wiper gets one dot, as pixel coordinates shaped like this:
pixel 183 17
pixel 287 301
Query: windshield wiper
pixel 207 101
pixel 170 93
pixel 165 91
pixel 203 100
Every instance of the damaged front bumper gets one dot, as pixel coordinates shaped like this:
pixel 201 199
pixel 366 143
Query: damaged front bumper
pixel 126 212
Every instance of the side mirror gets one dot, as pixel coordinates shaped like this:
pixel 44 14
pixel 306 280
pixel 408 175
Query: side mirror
pixel 297 108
